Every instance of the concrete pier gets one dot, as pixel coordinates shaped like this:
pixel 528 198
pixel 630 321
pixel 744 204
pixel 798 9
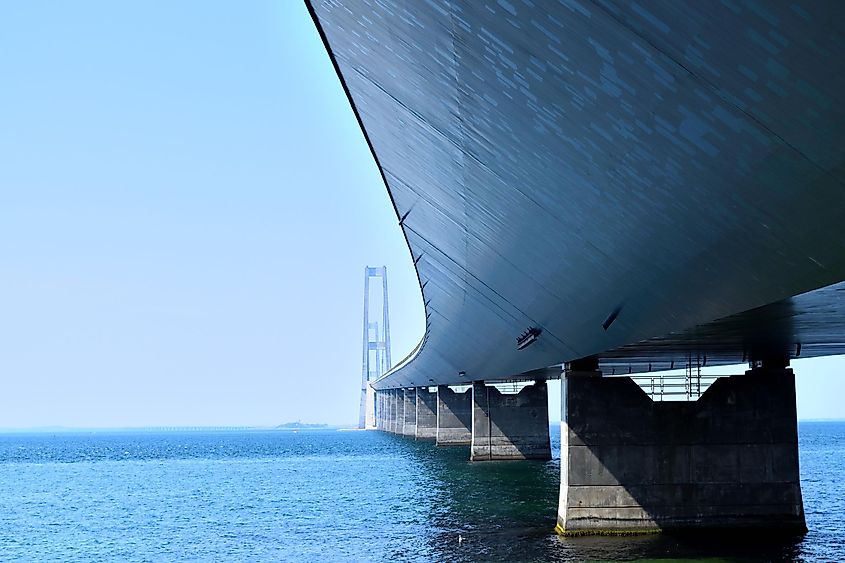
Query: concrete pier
pixel 426 414
pixel 510 426
pixel 454 417
pixel 379 411
pixel 385 412
pixel 382 414
pixel 728 460
pixel 409 418
pixel 398 411
pixel 395 411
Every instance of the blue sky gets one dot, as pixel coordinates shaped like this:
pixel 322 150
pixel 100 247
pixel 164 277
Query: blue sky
pixel 186 208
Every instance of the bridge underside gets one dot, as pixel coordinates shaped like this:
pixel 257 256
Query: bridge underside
pixel 603 173
pixel 805 326
pixel 630 186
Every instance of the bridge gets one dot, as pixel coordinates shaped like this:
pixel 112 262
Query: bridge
pixel 595 189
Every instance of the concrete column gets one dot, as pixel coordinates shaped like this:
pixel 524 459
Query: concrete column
pixel 378 410
pixel 510 426
pixel 454 417
pixel 388 410
pixel 409 419
pixel 728 460
pixel 396 411
pixel 382 412
pixel 426 414
pixel 385 411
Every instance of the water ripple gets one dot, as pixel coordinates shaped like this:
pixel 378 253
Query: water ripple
pixel 325 495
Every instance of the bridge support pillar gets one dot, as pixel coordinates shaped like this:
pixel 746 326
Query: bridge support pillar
pixel 426 414
pixel 454 417
pixel 409 419
pixel 631 465
pixel 397 419
pixel 379 410
pixel 385 409
pixel 392 411
pixel 510 426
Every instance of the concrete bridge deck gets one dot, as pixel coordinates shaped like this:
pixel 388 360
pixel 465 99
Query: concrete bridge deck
pixel 561 166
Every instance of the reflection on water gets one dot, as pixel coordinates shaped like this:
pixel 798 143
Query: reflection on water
pixel 506 511
pixel 327 495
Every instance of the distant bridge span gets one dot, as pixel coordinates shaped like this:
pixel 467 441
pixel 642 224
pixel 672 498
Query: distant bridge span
pixel 613 185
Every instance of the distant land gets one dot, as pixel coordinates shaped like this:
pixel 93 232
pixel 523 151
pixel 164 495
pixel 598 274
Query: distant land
pixel 300 425
pixel 70 429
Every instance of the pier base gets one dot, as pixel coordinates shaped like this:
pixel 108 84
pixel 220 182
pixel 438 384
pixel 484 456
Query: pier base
pixel 454 417
pixel 631 465
pixel 426 414
pixel 510 426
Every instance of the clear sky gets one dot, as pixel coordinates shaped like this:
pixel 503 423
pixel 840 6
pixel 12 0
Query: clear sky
pixel 186 209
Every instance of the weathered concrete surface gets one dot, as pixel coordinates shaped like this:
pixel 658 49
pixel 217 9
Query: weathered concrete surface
pixel 454 417
pixel 398 411
pixel 409 419
pixel 510 426
pixel 393 409
pixel 379 411
pixel 426 414
pixel 385 409
pixel 728 460
pixel 385 412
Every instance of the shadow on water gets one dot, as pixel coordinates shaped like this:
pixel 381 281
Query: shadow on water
pixel 506 511
pixel 498 508
pixel 713 546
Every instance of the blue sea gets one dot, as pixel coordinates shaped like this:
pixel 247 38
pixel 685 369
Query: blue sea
pixel 329 495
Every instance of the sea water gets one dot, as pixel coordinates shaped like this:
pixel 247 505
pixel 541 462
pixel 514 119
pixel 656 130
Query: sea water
pixel 328 495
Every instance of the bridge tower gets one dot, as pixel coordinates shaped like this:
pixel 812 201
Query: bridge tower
pixel 376 342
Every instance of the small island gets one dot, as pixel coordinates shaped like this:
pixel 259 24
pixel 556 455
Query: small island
pixel 300 425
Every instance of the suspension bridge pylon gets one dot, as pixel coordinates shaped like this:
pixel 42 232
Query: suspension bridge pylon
pixel 376 342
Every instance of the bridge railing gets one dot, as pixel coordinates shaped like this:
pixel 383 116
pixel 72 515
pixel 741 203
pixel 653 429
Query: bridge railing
pixel 673 387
